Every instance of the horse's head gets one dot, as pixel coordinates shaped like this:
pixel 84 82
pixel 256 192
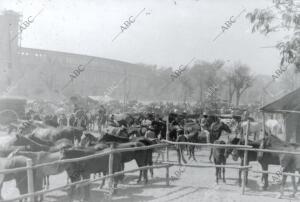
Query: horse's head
pixel 226 128
pixel 87 139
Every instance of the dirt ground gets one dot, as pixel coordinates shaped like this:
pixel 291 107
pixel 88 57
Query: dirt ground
pixel 194 184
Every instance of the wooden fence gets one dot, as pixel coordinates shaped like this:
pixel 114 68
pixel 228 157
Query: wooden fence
pixel 29 168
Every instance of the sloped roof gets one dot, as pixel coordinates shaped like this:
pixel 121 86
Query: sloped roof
pixel 287 103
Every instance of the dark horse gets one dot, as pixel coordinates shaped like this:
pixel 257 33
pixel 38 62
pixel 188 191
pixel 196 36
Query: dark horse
pixel 289 162
pixel 216 131
pixel 252 155
pixel 83 169
pixel 142 157
pixel 219 159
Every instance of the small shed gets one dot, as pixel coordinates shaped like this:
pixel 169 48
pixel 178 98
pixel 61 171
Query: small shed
pixel 289 107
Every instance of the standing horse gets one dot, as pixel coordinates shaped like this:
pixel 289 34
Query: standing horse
pixel 142 157
pixel 216 130
pixel 252 155
pixel 289 162
pixel 83 169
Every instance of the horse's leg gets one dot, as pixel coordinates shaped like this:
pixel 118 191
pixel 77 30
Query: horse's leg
pixel 187 149
pixel 103 181
pixel 217 175
pixel 210 155
pixel 48 182
pixel 189 152
pixel 182 155
pixel 298 178
pixel 0 191
pixel 140 177
pixel 224 163
pixel 145 173
pixel 193 151
pixel 282 186
pixel 86 188
pixel 265 167
pixel 178 155
pixel 294 186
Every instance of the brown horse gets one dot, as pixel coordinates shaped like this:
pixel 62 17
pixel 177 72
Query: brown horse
pixel 289 162
pixel 83 169
pixel 53 134
pixel 142 157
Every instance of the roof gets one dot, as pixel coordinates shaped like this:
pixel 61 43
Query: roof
pixel 287 103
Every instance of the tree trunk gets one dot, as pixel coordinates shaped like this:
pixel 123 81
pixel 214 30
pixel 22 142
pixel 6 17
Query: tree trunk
pixel 238 96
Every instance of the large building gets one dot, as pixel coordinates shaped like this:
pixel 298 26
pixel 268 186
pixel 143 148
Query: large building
pixel 40 73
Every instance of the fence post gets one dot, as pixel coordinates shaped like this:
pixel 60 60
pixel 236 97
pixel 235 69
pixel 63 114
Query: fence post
pixel 168 138
pixel 110 170
pixel 245 171
pixel 30 181
pixel 168 175
pixel 264 126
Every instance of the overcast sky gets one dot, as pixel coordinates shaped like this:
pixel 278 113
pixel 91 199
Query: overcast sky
pixel 167 33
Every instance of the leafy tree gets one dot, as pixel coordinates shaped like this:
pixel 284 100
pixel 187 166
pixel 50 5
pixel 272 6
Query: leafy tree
pixel 284 16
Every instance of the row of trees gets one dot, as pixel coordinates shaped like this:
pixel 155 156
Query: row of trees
pixel 203 82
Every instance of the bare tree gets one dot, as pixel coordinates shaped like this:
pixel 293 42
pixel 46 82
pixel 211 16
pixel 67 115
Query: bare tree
pixel 231 89
pixel 241 80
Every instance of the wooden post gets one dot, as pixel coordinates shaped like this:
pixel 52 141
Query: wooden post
pixel 110 170
pixel 264 126
pixel 245 159
pixel 167 138
pixel 30 180
pixel 168 175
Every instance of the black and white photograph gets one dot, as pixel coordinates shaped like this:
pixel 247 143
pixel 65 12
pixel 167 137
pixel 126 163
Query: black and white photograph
pixel 149 100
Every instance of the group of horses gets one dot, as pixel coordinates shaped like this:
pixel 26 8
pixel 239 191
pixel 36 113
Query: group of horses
pixel 289 163
pixel 43 144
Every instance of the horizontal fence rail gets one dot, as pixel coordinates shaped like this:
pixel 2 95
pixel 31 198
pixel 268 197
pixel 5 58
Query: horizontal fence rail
pixel 84 182
pixel 207 144
pixel 163 165
pixel 100 154
pixel 209 166
pixel 239 147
